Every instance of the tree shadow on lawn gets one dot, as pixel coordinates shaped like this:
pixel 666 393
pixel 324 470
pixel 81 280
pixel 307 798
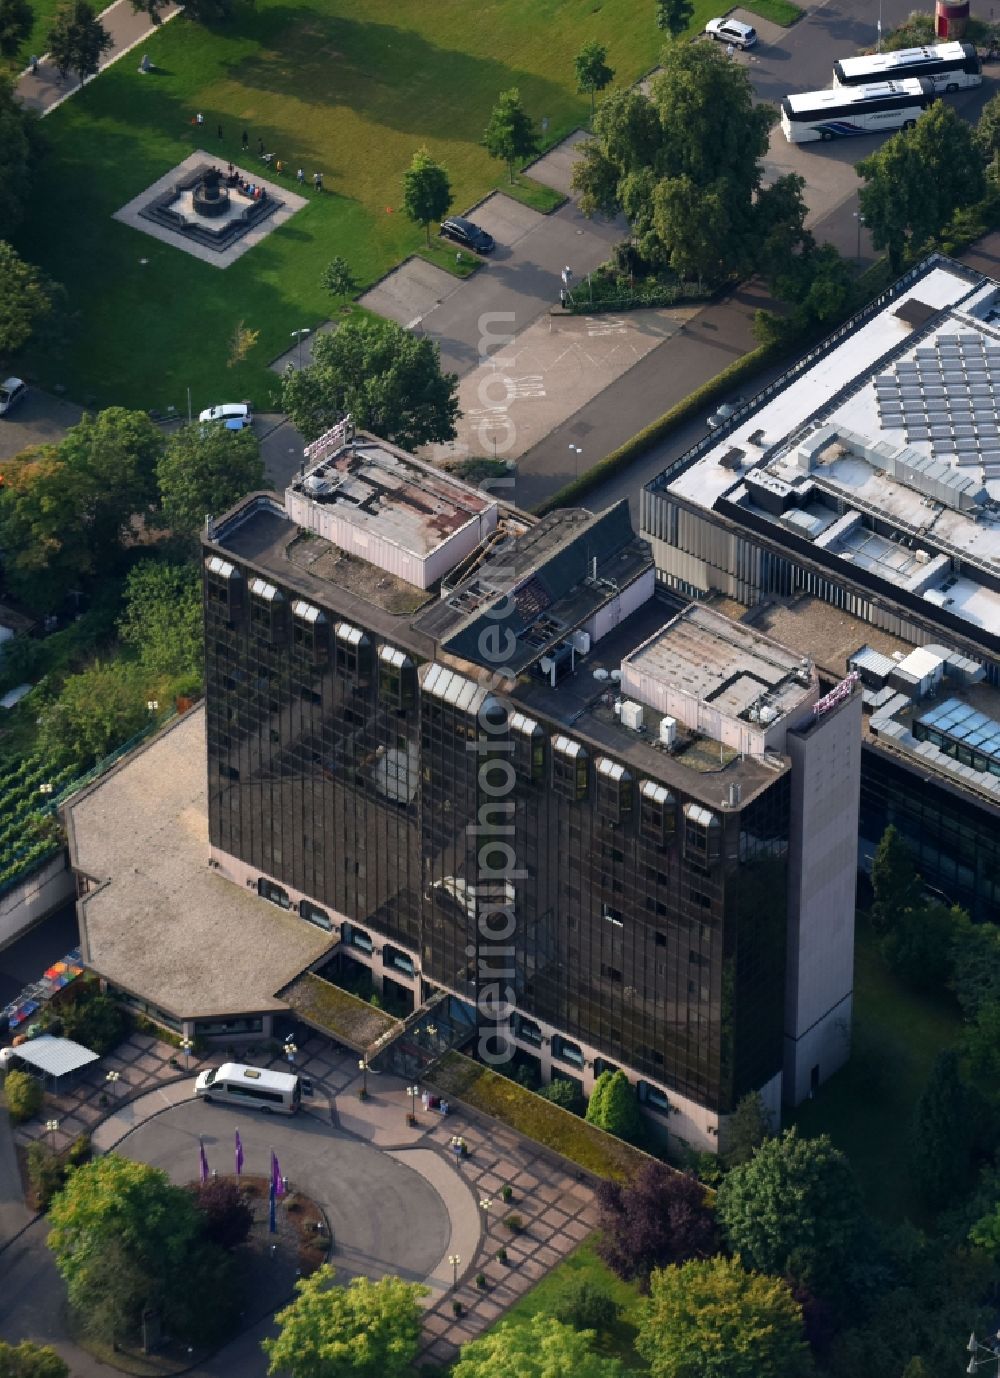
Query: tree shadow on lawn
pixel 393 77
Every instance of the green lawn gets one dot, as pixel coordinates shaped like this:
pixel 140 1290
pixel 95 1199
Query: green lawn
pixel 330 85
pixel 866 1108
pixel 778 11
pixel 584 1263
pixel 37 40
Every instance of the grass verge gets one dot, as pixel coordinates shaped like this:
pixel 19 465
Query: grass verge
pixel 868 1106
pixel 585 1264
pixel 458 1076
pixel 778 11
pixel 531 193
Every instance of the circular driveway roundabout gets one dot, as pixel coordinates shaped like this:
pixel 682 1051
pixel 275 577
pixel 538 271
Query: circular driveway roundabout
pixel 385 1215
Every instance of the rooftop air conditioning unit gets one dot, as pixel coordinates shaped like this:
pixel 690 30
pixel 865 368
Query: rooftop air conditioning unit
pixel 668 731
pixel 631 714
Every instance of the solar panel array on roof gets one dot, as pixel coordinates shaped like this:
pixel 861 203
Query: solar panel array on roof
pixel 944 396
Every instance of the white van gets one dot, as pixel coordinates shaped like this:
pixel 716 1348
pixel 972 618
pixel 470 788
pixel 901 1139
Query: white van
pixel 236 1084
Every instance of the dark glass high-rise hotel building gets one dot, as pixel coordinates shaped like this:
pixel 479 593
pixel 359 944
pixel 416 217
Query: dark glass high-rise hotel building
pixel 481 751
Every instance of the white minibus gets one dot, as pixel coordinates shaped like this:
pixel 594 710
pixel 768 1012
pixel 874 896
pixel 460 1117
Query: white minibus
pixel 236 1084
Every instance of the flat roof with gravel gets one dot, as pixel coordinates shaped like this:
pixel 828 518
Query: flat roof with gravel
pixel 159 923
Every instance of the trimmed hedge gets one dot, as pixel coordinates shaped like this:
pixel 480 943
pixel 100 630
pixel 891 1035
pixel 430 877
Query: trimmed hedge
pixel 645 439
pixel 459 1077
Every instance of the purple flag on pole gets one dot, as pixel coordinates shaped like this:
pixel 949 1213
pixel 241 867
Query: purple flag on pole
pixel 203 1163
pixel 272 1222
pixel 239 1154
pixel 277 1185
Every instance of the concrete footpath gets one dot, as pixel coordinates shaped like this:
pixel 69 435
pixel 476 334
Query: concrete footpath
pixel 45 90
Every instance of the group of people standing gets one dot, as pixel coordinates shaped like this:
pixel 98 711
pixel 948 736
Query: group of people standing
pixel 279 167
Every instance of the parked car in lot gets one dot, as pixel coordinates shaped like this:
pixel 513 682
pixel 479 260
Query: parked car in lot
pixel 732 31
pixel 470 236
pixel 12 391
pixel 722 413
pixel 235 415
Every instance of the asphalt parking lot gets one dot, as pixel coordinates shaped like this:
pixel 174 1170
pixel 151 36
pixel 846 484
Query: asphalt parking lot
pixel 40 419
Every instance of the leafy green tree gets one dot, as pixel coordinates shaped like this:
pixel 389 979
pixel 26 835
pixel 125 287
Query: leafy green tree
pixel 916 1368
pixel 563 1092
pixel 23 1093
pixel 711 1319
pixel 510 136
pixel 47 547
pixel 697 214
pixel 980 1047
pixel 592 71
pixel 17 156
pixel 426 191
pixel 124 1238
pixel 613 1106
pixel 748 1127
pixel 975 964
pixel 16 19
pixel 540 1348
pixel 987 136
pixel 203 471
pixel 585 1304
pixel 943 1132
pixel 364 1330
pixel 94 712
pixel 919 946
pixel 338 279
pixel 118 451
pixel 674 16
pixel 151 8
pixel 387 379
pixel 795 1210
pixel 917 180
pixel 78 40
pixel 894 880
pixel 162 620
pixel 98 1022
pixel 985 1233
pixel 28 1360
pixel 27 298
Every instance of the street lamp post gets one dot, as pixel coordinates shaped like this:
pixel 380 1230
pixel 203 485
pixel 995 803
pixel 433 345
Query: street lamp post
pixel 413 1092
pixel 186 1046
pixel 50 1128
pixel 860 221
pixel 454 1260
pixel 113 1078
pixel 300 334
pixel 363 1069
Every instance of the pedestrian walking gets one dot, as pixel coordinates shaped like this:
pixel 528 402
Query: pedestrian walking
pixel 220 133
pixel 318 181
pixel 279 167
pixel 300 177
pixel 246 141
pixel 199 119
pixel 260 147
pixel 34 65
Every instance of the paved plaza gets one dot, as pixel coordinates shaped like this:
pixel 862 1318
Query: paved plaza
pixel 286 204
pixel 398 1197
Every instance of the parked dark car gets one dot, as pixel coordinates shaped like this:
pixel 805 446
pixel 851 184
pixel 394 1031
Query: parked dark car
pixel 467 234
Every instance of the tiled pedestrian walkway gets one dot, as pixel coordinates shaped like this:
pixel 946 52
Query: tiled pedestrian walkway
pixel 552 1200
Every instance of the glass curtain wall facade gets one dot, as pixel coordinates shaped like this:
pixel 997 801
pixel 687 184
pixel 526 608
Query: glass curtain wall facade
pixel 644 924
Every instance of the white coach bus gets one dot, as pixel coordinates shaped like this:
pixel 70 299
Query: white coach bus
pixel 845 111
pixel 948 65
pixel 236 1084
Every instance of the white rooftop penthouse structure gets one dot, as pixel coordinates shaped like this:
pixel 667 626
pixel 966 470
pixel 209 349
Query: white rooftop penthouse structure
pixel 869 474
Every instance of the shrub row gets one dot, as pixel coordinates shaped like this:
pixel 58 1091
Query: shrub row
pixel 650 435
